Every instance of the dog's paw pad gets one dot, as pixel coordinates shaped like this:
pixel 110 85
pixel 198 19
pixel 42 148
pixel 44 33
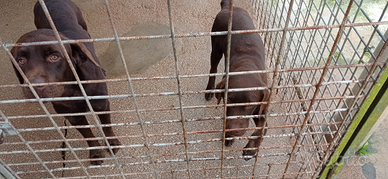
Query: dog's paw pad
pixel 228 143
pixel 114 142
pixel 249 153
pixel 209 96
pixel 94 154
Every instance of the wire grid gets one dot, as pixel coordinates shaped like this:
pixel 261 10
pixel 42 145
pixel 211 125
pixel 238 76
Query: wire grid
pixel 309 47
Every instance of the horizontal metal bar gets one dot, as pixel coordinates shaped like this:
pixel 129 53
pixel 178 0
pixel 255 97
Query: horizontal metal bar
pixel 268 175
pixel 8 45
pixel 172 121
pixel 169 161
pixel 152 135
pixel 168 144
pixel 168 154
pixel 193 169
pixel 177 108
pixel 197 75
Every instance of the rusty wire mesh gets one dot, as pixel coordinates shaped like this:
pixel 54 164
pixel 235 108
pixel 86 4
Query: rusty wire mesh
pixel 323 58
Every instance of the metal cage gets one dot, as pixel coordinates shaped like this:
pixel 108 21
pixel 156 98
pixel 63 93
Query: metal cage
pixel 323 59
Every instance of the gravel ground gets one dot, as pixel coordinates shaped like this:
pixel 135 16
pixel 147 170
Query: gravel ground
pixel 146 58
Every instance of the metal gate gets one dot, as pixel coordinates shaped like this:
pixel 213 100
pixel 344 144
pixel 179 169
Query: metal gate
pixel 323 59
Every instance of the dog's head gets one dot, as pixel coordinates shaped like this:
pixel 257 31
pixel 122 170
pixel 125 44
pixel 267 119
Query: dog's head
pixel 47 63
pixel 242 81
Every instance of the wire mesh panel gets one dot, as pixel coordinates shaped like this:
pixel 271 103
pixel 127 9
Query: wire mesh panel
pixel 322 58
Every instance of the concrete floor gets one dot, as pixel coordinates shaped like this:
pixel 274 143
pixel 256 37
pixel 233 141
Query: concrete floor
pixel 374 165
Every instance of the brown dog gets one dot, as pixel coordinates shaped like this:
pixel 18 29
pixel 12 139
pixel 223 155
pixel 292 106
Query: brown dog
pixel 247 54
pixel 47 63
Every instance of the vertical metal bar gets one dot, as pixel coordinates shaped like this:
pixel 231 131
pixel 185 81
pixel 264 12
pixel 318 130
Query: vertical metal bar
pixel 266 41
pixel 315 139
pixel 179 87
pixel 322 43
pixel 271 35
pixel 319 84
pixel 346 102
pixel 261 14
pixel 27 144
pixel 44 109
pixel 78 82
pixel 269 170
pixel 318 106
pixel 130 86
pixel 227 62
pixel 275 79
pixel 265 6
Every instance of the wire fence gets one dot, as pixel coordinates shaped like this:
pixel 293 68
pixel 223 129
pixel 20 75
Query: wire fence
pixel 323 58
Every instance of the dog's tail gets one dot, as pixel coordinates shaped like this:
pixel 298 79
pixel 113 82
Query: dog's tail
pixel 224 3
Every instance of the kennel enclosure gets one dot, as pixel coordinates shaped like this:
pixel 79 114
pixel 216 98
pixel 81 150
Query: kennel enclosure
pixel 326 66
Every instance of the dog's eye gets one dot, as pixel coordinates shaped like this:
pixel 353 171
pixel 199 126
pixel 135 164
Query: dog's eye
pixel 54 57
pixel 22 61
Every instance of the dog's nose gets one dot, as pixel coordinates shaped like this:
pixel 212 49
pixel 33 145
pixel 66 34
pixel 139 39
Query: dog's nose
pixel 38 80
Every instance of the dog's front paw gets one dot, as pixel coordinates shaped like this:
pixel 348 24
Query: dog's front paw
pixel 249 153
pixel 209 96
pixel 114 142
pixel 94 154
pixel 228 143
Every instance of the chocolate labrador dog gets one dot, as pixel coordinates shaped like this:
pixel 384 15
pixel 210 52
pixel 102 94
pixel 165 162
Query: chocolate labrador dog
pixel 246 54
pixel 47 63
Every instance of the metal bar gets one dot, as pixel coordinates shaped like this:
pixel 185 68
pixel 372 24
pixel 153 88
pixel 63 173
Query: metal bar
pixel 226 87
pixel 179 88
pixel 188 120
pixel 130 86
pixel 182 170
pixel 275 77
pixel 5 169
pixel 205 119
pixel 199 34
pixel 321 79
pixel 169 154
pixel 192 76
pixel 176 143
pixel 68 59
pixel 188 107
pixel 28 146
pixel 173 93
pixel 174 160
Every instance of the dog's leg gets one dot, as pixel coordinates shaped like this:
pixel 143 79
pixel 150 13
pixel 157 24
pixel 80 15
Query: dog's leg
pixel 215 58
pixel 87 133
pixel 105 119
pixel 235 124
pixel 254 143
pixel 108 131
pixel 228 143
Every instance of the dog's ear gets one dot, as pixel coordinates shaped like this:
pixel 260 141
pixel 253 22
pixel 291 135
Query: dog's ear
pixel 220 85
pixel 81 54
pixel 265 98
pixel 21 80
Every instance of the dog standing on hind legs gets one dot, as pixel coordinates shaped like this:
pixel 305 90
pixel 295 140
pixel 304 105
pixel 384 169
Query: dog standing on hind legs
pixel 246 54
pixel 47 63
